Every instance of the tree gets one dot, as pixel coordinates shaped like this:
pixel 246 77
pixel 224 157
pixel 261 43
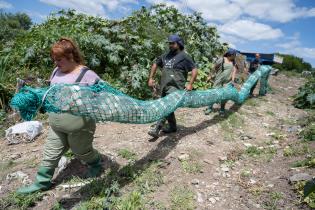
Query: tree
pixel 121 51
pixel 293 63
pixel 13 25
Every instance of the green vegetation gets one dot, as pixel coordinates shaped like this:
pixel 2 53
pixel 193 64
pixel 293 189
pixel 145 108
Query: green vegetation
pixel 293 63
pixel 125 153
pixel 121 51
pixel 308 162
pixel 310 199
pixel 296 150
pixel 182 198
pixel 232 123
pixel 305 99
pixel 12 25
pixel 192 164
pixel 264 153
pixel 273 198
pixel 110 191
pixel 15 201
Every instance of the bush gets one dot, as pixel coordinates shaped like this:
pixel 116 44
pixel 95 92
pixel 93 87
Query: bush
pixel 305 99
pixel 293 63
pixel 120 51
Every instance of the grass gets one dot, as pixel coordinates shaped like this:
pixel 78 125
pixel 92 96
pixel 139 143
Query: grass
pixel 106 192
pixel 273 198
pixel 291 73
pixel 192 165
pixel 270 113
pixel 309 200
pixel 296 150
pixel 308 162
pixel 15 201
pixel 257 190
pixel 265 153
pixel 277 134
pixel 228 126
pixel 308 132
pixel 69 154
pixel 245 173
pixel 182 198
pixel 287 121
pixel 131 201
pixel 5 166
pixel 251 102
pixel 229 163
pixel 126 154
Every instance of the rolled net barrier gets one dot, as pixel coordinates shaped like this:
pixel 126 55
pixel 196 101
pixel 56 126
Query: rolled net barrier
pixel 102 102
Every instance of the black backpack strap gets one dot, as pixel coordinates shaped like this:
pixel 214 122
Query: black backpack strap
pixel 54 73
pixel 83 71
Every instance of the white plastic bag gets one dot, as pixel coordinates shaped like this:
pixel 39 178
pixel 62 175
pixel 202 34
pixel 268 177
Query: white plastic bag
pixel 26 131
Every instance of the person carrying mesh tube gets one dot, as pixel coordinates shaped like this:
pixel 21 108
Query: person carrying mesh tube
pixel 66 130
pixel 254 64
pixel 175 65
pixel 224 72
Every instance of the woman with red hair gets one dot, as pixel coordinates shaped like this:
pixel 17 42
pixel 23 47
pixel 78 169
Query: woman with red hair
pixel 66 130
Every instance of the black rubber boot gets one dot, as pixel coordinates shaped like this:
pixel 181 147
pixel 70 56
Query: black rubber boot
pixel 172 127
pixel 154 132
pixel 95 168
pixel 222 109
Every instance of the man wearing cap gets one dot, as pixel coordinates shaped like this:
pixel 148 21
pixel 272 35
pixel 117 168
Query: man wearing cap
pixel 175 65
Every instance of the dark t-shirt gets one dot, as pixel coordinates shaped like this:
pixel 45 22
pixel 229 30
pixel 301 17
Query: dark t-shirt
pixel 254 65
pixel 182 62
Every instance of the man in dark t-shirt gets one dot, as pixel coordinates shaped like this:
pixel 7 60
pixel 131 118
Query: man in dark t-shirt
pixel 175 65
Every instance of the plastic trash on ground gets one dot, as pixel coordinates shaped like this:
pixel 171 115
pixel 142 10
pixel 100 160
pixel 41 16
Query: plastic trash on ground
pixel 23 132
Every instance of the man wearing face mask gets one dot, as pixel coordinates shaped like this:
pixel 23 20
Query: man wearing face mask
pixel 175 65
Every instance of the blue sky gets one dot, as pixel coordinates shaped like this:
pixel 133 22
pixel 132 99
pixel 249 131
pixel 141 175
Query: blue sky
pixel 285 26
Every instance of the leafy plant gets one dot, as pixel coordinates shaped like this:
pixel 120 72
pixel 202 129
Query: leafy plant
pixel 120 51
pixel 125 153
pixel 306 95
pixel 182 197
pixel 306 191
pixel 20 201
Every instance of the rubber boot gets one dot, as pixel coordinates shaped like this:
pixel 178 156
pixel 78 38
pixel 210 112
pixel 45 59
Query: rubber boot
pixel 222 109
pixel 95 168
pixel 208 110
pixel 42 181
pixel 154 132
pixel 171 128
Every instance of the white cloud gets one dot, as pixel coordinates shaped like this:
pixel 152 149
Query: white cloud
pixel 292 45
pixel 275 10
pixel 5 5
pixel 250 30
pixel 224 10
pixel 91 7
pixel 290 42
pixel 305 52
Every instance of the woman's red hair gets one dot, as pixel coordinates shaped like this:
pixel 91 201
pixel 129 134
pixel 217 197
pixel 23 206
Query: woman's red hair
pixel 66 47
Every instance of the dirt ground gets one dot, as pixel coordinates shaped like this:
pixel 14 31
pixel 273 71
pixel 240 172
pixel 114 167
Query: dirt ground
pixel 236 161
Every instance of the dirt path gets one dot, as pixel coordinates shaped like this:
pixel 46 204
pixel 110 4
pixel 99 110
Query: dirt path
pixel 239 161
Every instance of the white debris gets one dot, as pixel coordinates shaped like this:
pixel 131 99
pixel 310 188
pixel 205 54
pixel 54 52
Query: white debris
pixel 23 132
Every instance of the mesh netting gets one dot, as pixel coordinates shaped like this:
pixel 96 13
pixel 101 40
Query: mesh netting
pixel 105 103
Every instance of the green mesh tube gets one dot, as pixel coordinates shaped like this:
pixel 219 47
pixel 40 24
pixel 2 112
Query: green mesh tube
pixel 105 103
